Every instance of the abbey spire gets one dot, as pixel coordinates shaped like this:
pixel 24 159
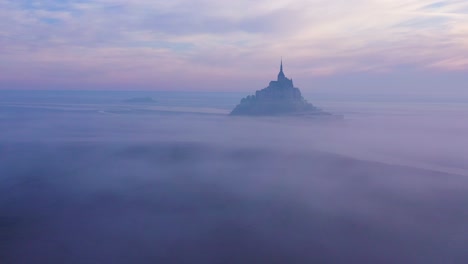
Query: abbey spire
pixel 281 75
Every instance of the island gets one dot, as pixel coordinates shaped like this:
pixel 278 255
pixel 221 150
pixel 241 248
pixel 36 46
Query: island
pixel 279 98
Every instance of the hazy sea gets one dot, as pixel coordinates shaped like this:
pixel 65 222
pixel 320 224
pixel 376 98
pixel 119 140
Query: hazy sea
pixel 86 177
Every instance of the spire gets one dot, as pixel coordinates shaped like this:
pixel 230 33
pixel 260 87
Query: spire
pixel 281 75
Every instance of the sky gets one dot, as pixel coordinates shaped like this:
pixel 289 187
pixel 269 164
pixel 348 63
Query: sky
pixel 345 46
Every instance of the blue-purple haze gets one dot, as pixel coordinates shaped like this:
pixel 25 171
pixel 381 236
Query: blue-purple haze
pixel 116 145
pixel 87 176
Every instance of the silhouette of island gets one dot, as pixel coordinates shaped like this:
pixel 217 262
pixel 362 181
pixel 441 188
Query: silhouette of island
pixel 279 98
pixel 141 100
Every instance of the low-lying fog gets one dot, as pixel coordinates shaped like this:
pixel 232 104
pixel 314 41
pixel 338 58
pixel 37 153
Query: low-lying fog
pixel 116 183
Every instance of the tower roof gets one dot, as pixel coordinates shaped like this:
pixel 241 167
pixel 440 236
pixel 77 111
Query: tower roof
pixel 281 73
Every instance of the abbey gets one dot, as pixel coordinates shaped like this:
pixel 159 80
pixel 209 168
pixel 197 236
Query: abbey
pixel 280 97
pixel 282 80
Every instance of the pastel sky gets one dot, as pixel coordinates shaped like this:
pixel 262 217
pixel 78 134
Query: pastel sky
pixel 234 45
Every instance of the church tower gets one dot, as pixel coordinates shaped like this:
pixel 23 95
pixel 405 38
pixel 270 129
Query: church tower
pixel 282 80
pixel 281 75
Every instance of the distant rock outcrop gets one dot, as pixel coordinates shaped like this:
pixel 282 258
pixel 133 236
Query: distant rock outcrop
pixel 140 100
pixel 279 98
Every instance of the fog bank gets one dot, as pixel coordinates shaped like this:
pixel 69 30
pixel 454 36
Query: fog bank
pixel 111 183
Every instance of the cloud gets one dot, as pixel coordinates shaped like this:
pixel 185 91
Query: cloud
pixel 231 38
